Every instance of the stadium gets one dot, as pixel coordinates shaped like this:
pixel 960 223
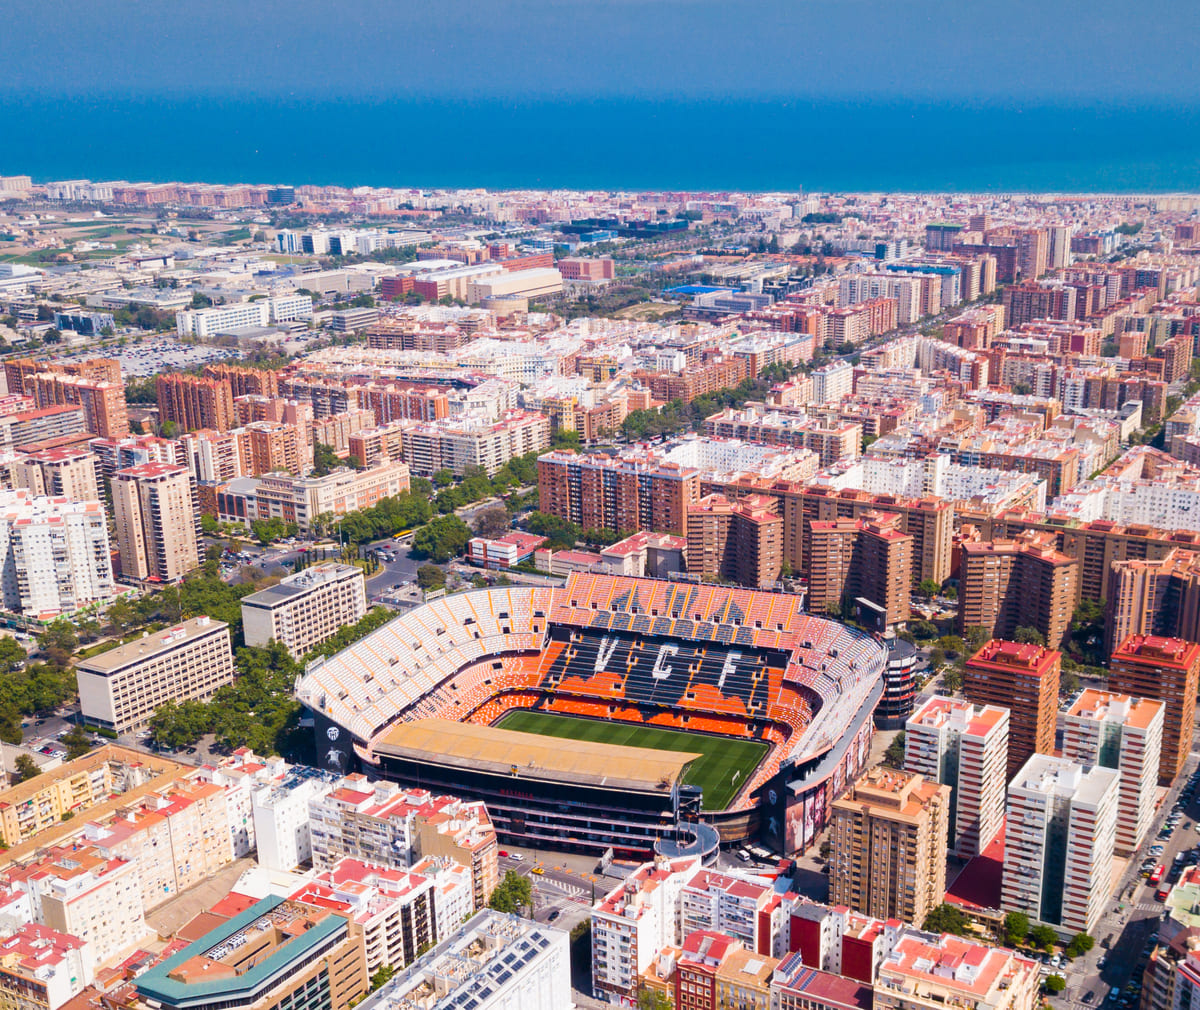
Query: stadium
pixel 614 712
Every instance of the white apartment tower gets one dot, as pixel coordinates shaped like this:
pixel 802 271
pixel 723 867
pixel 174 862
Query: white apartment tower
pixel 965 747
pixel 1058 843
pixel 1116 731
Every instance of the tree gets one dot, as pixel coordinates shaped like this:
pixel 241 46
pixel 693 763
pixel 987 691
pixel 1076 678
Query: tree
pixel 25 768
pixel 936 657
pixel 1080 943
pixel 12 656
pixel 324 459
pixel 894 755
pixel 560 534
pixel 1043 937
pixel 652 999
pixel 382 976
pixel 492 522
pixel 512 894
pixel 442 539
pixel 946 919
pixel 77 742
pixel 1069 683
pixel 1016 927
pixel 431 577
pixel 1055 984
pixel 923 629
pixel 209 524
pixel 976 637
pixel 929 588
pixel 1029 636
pixel 950 593
pixel 443 478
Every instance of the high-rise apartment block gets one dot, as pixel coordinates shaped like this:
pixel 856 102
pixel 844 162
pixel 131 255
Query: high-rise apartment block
pixel 1025 680
pixel 73 474
pixel 1116 731
pixel 964 747
pixel 192 402
pixel 103 401
pixel 54 555
pixel 1152 597
pixel 1059 841
pixel 868 557
pixel 457 443
pixel 889 840
pixel 1007 584
pixel 739 540
pixel 121 689
pixel 157 519
pixel 305 608
pixel 1149 666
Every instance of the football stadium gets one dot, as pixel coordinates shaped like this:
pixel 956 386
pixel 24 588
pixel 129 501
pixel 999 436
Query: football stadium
pixel 612 713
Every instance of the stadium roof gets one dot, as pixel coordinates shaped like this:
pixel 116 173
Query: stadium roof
pixel 531 755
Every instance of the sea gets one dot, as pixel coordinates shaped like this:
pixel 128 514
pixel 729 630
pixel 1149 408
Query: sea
pixel 747 144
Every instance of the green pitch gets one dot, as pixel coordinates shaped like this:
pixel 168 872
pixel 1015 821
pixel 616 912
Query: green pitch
pixel 713 771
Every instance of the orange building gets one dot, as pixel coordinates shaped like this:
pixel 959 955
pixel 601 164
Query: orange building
pixel 869 557
pixel 738 540
pixel 192 402
pixel 1150 666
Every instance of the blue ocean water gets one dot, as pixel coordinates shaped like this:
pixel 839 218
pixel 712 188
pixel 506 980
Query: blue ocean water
pixel 612 143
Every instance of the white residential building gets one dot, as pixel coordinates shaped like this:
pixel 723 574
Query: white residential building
pixel 241 775
pixel 54 554
pixel 741 907
pixel 495 962
pixel 1116 731
pixel 965 747
pixel 632 923
pixel 453 892
pixel 42 963
pixel 1058 842
pixel 832 382
pixel 281 822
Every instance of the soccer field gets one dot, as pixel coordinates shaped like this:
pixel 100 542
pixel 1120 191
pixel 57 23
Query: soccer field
pixel 713 771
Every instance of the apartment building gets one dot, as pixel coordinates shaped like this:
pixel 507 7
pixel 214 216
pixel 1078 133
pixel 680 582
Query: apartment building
pixel 832 382
pixel 75 890
pixel 382 823
pixel 192 402
pixel 305 608
pixel 460 442
pixel 1007 584
pixel 301 500
pixel 1153 597
pixel 275 953
pixel 889 837
pixel 1059 842
pixel 381 443
pixel 1025 680
pixel 41 968
pixel 1166 669
pixel 930 972
pixel 965 747
pixel 54 555
pixel 393 908
pixel 157 519
pixel 738 540
pixel 73 474
pixel 103 401
pixel 494 962
pixel 64 425
pixel 745 908
pixel 867 558
pixel 120 689
pixel 831 441
pixel 796 986
pixel 1116 731
pixel 636 920
pixel 250 381
pixel 280 811
pixel 268 446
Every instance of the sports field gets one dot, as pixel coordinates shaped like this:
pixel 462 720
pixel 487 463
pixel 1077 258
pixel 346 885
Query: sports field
pixel 713 771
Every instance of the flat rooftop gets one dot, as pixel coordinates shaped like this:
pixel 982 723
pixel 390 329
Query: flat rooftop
pixel 531 756
pixel 302 582
pixel 150 645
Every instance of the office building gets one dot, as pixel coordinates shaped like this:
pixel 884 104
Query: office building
pixel 121 688
pixel 1116 731
pixel 73 474
pixel 1168 669
pixel 636 920
pixel 889 838
pixel 868 558
pixel 305 608
pixel 929 972
pixel 41 968
pixel 157 519
pixel 965 747
pixel 1059 841
pixel 192 402
pixel 274 954
pixel 209 322
pixel 1007 584
pixel 495 962
pixel 740 541
pixel 1025 680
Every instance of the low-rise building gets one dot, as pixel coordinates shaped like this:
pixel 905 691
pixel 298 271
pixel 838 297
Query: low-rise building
pixel 930 972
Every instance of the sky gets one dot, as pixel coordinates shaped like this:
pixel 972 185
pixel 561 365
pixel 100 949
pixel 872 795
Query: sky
pixel 1013 52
